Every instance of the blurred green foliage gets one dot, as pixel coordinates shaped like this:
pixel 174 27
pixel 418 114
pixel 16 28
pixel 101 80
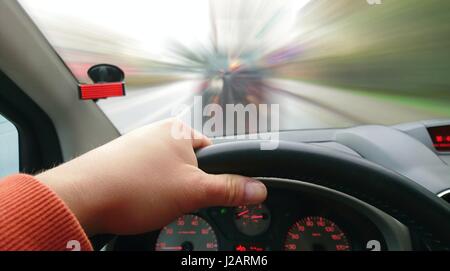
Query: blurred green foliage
pixel 400 47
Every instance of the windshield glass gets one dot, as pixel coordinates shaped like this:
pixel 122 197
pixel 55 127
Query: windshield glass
pixel 324 63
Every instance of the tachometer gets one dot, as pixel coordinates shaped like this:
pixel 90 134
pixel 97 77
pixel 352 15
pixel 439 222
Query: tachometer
pixel 187 233
pixel 252 219
pixel 316 234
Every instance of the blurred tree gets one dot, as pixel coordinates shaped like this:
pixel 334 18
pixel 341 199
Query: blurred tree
pixel 399 47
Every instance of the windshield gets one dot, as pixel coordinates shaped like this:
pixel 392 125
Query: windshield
pixel 324 63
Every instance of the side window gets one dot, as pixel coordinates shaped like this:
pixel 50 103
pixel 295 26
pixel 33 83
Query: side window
pixel 9 148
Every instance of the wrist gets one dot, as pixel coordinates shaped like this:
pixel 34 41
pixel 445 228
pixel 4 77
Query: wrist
pixel 71 192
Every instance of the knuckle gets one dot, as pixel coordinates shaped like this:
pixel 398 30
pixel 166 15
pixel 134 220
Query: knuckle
pixel 233 191
pixel 203 192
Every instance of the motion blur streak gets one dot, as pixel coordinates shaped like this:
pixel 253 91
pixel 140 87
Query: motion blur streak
pixel 327 63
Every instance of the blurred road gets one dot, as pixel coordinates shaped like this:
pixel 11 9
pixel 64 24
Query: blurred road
pixel 302 105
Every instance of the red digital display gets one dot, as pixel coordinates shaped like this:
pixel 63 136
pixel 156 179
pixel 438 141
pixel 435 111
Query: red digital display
pixel 248 247
pixel 441 137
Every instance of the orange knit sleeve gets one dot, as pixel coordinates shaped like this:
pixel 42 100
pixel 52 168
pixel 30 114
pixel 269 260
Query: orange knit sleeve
pixel 33 217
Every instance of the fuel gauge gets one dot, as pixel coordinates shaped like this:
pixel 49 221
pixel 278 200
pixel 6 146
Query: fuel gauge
pixel 252 220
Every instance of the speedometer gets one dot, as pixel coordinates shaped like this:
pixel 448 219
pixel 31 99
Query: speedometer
pixel 187 233
pixel 316 233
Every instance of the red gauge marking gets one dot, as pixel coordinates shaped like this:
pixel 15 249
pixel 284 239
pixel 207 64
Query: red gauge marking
pixel 187 233
pixel 243 213
pixel 252 220
pixel 317 234
pixel 248 247
pixel 241 248
pixel 294 236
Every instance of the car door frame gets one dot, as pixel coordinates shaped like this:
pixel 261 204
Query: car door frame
pixel 39 146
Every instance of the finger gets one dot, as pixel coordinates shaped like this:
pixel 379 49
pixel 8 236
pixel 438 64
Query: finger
pixel 232 190
pixel 180 130
pixel 199 140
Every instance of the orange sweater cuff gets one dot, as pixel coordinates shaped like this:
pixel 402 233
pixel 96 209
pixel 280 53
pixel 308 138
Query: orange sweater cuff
pixel 33 217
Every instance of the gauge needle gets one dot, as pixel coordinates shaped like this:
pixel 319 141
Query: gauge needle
pixel 172 248
pixel 243 213
pixel 256 216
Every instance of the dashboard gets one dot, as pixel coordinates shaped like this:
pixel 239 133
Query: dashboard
pixel 357 189
pixel 307 218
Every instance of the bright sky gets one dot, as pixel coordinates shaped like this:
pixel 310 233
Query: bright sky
pixel 153 23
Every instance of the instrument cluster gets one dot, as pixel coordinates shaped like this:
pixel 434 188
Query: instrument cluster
pixel 286 221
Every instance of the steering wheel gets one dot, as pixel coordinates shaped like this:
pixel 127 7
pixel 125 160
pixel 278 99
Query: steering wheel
pixel 411 204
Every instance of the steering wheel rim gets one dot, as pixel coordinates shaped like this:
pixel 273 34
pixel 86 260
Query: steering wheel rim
pixel 403 199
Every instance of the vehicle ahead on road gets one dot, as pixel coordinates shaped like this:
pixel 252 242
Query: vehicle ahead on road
pixel 361 162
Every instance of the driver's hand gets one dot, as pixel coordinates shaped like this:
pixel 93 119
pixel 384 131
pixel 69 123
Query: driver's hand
pixel 143 180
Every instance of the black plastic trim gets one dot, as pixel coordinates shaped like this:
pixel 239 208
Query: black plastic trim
pixel 39 146
pixel 386 190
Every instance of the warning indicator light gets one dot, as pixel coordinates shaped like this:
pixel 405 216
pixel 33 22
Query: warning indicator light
pixel 440 136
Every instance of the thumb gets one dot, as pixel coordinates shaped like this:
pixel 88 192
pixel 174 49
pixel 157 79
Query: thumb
pixel 233 190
